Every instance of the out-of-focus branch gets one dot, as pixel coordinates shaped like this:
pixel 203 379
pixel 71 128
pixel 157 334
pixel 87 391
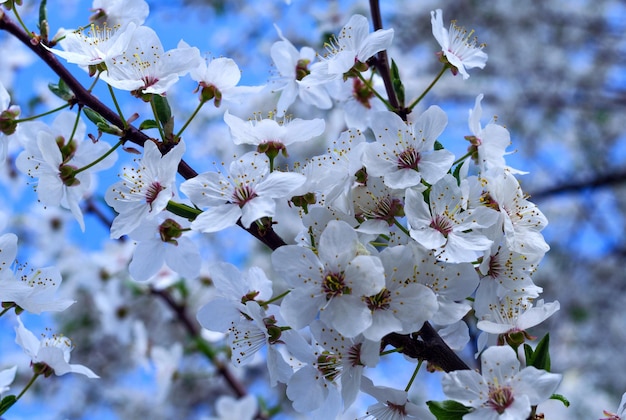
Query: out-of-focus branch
pixel 602 181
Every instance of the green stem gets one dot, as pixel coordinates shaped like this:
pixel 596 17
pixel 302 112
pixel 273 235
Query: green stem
pixel 415 102
pixel 95 80
pixel 183 210
pixel 34 117
pixel 396 350
pixel 371 88
pixel 417 368
pixel 28 385
pixel 117 107
pixel 462 158
pixel 5 310
pixel 75 125
pixel 156 118
pixel 193 115
pixel 275 298
pixel 100 159
pixel 19 19
pixel 206 349
pixel 402 228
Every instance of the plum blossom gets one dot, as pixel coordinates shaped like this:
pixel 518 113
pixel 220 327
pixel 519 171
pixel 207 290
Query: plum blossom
pixel 258 328
pixel 248 193
pixel 345 358
pixel 61 165
pixel 502 391
pixel 354 44
pixel 96 45
pixel 271 134
pixel 332 281
pixel 513 315
pixel 489 142
pixel 50 355
pixel 401 305
pixel 293 66
pixel 392 404
pixel 458 47
pixel 146 67
pixel 218 80
pixel 403 153
pixel 144 191
pixel 161 241
pixel 233 289
pixel 521 220
pixel 444 226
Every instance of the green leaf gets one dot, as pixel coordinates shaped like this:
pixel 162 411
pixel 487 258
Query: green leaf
pixel 438 145
pixel 6 403
pixel 61 90
pixel 148 124
pixel 561 398
pixel 457 173
pixel 163 110
pixel 93 116
pixel 541 355
pixel 398 87
pixel 43 20
pixel 448 410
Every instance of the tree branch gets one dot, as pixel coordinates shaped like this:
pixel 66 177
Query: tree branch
pixel 601 181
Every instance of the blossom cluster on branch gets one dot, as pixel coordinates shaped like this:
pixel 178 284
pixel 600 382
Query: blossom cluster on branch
pixel 399 243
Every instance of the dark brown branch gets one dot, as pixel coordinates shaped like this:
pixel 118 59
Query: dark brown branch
pixel 601 181
pixel 426 344
pixel 381 62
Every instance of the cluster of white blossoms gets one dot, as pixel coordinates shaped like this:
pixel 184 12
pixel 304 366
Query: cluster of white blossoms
pixel 395 230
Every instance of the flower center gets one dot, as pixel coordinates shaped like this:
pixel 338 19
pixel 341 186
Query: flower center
pixel 333 285
pixel 408 159
pixel 302 69
pixel 379 301
pixel 153 192
pixel 500 398
pixel 495 267
pixel 328 365
pixel 354 355
pixel 243 194
pixel 442 224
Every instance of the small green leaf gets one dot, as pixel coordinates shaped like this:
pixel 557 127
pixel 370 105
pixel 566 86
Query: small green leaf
pixel 398 87
pixel 93 116
pixel 105 127
pixel 448 410
pixel 163 110
pixel 43 20
pixel 561 398
pixel 6 403
pixel 457 173
pixel 438 145
pixel 148 124
pixel 541 355
pixel 61 90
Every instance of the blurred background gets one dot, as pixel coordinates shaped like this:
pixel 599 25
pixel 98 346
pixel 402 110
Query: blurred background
pixel 556 78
